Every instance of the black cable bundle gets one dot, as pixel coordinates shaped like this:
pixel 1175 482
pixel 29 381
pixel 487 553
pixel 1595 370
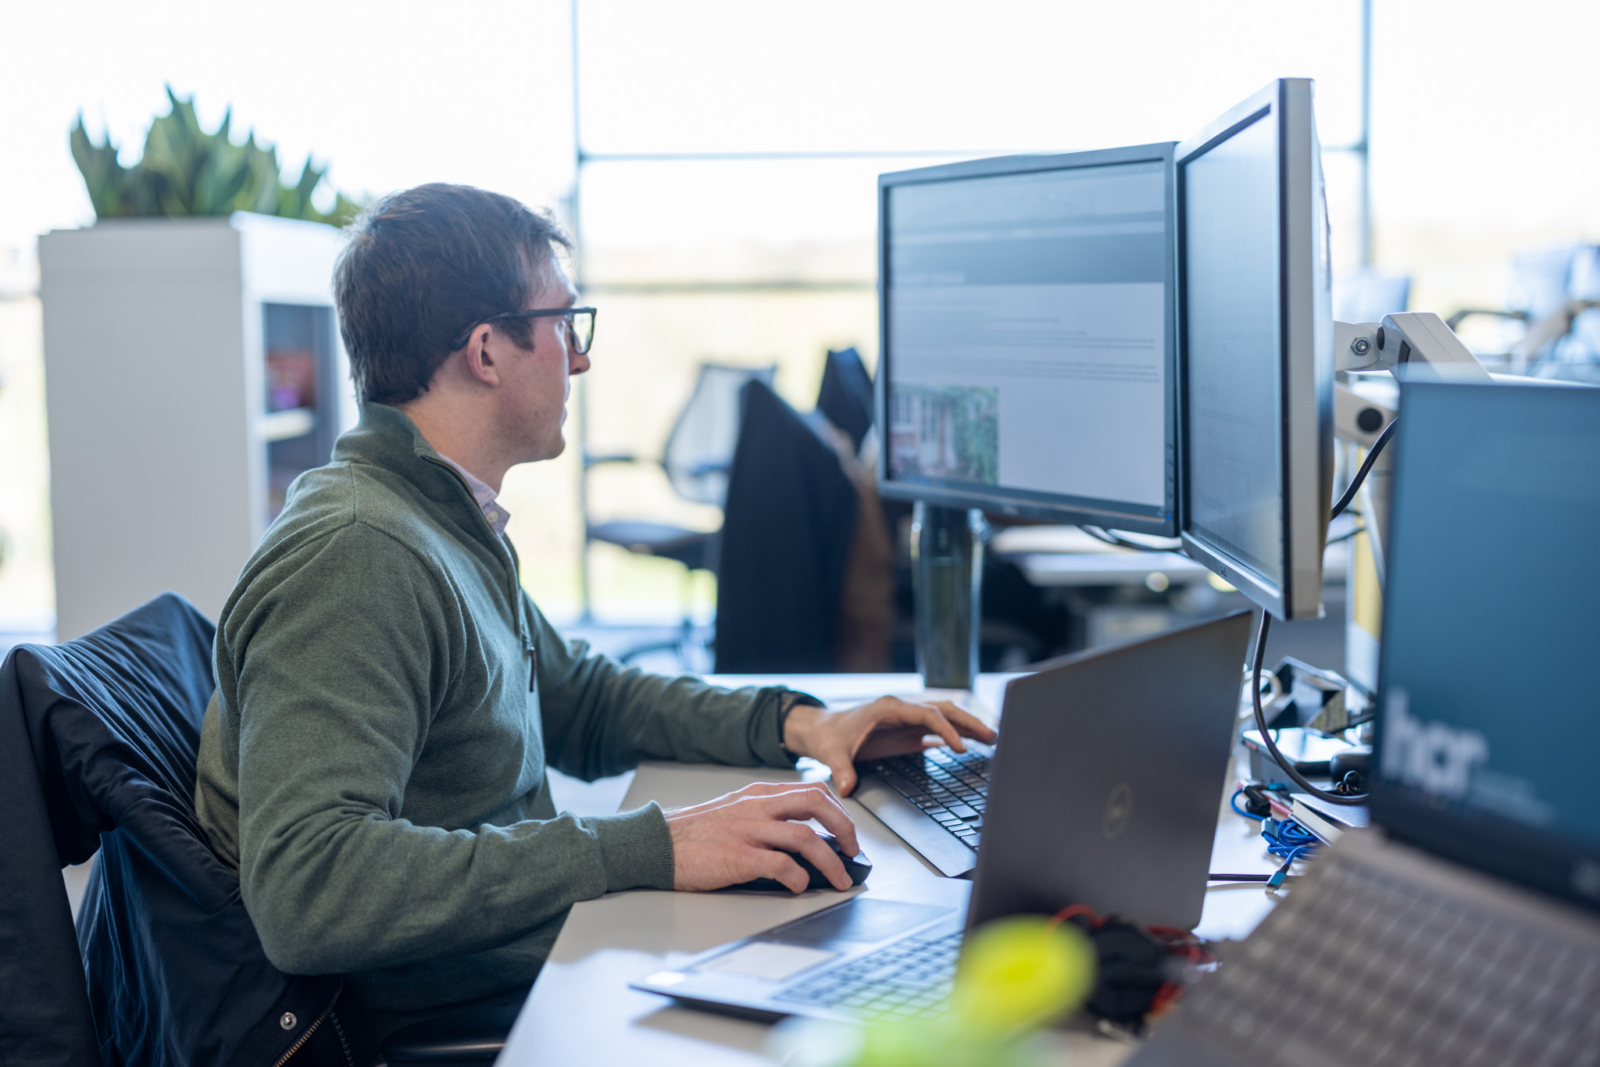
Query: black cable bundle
pixel 1132 966
pixel 1139 971
pixel 1351 799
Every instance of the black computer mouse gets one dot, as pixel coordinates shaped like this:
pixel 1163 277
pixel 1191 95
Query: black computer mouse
pixel 857 867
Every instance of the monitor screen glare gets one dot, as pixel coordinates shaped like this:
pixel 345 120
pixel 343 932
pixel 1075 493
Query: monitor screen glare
pixel 1235 462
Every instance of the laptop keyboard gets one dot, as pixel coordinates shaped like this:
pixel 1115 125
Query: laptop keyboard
pixel 952 788
pixel 906 979
pixel 1373 970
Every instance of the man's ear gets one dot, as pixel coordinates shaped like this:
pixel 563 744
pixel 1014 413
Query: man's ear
pixel 482 356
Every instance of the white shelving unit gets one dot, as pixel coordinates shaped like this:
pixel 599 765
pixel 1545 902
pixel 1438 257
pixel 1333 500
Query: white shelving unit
pixel 167 456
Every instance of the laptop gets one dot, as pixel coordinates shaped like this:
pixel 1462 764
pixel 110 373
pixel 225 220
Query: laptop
pixel 1464 928
pixel 934 801
pixel 1106 786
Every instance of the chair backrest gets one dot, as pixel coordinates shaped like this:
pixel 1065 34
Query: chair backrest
pixel 1576 357
pixel 845 397
pixel 786 533
pixel 1367 295
pixel 1583 281
pixel 699 450
pixel 1540 280
pixel 171 965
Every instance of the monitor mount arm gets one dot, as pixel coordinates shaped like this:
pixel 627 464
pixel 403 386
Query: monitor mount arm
pixel 1408 345
pixel 1414 344
pixel 1407 339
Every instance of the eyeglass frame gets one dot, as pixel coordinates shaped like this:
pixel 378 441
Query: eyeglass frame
pixel 538 313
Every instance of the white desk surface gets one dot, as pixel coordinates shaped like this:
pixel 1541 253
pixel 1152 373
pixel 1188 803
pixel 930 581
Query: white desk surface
pixel 581 1010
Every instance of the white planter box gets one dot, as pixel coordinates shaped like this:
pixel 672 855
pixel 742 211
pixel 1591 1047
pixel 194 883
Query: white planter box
pixel 155 344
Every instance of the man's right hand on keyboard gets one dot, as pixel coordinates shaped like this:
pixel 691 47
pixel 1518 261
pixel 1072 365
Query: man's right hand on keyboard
pixel 888 726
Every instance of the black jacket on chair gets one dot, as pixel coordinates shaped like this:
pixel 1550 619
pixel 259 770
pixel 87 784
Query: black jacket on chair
pixel 786 533
pixel 98 742
pixel 845 398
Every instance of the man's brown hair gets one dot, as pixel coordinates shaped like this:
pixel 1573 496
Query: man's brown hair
pixel 421 268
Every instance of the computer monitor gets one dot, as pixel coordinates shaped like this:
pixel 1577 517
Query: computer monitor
pixel 1486 732
pixel 1027 359
pixel 1255 343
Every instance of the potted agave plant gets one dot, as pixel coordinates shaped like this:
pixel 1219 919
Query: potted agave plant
pixel 188 173
pixel 192 364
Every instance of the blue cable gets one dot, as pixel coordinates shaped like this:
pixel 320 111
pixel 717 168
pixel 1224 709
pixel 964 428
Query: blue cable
pixel 1285 838
pixel 1233 802
pixel 1289 841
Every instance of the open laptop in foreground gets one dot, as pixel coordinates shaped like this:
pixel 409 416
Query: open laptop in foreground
pixel 1106 785
pixel 1466 928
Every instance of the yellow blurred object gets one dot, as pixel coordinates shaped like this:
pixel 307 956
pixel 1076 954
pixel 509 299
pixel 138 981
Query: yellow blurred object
pixel 941 1043
pixel 1015 975
pixel 1021 972
pixel 935 1042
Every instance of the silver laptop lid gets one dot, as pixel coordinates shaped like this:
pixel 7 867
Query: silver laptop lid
pixel 1108 777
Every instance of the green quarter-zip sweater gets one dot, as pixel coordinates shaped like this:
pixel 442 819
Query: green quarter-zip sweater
pixel 374 759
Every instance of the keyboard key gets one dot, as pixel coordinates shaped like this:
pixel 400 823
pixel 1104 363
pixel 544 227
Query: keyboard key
pixel 906 979
pixel 950 787
pixel 1365 968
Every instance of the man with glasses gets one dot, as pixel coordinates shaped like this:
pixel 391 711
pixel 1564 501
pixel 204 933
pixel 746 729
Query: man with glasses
pixel 388 697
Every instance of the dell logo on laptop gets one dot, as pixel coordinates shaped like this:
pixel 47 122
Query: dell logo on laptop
pixel 1118 810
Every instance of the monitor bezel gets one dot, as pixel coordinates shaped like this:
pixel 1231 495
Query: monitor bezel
pixel 995 500
pixel 1305 412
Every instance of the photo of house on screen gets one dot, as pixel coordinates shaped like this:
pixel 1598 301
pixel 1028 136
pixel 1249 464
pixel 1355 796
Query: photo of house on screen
pixel 951 433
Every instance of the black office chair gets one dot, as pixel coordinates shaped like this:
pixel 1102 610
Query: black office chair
pixel 696 460
pixel 98 743
pixel 456 1039
pixel 100 738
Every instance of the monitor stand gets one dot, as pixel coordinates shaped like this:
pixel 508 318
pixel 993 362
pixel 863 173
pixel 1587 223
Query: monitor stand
pixel 947 580
pixel 1406 344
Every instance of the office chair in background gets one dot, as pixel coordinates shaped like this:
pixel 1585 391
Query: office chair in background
pixel 696 459
pixel 1551 321
pixel 1367 295
pixel 798 533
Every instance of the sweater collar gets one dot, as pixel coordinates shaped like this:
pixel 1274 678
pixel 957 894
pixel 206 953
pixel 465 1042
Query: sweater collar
pixel 386 437
pixel 488 500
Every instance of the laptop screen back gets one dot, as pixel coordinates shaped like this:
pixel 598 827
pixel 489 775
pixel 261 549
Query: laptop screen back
pixel 1489 727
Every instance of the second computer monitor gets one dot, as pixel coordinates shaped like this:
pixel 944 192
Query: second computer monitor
pixel 1027 349
pixel 1255 335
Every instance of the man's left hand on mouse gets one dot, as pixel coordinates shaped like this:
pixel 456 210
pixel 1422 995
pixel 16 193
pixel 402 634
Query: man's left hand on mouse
pixel 888 726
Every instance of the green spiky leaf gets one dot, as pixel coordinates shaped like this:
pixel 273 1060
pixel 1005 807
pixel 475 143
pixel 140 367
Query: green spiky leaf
pixel 186 171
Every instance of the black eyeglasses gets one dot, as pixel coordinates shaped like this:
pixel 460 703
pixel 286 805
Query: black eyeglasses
pixel 580 325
